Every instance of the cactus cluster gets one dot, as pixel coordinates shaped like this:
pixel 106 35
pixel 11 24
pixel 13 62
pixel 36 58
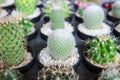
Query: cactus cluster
pixel 103 50
pixel 111 73
pixel 93 17
pixel 116 9
pixel 11 44
pixel 60 44
pixel 26 7
pixel 57 73
pixel 8 74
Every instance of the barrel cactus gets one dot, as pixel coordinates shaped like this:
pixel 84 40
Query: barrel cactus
pixel 26 7
pixel 93 17
pixel 60 44
pixel 57 73
pixel 11 44
pixel 57 18
pixel 103 50
pixel 116 9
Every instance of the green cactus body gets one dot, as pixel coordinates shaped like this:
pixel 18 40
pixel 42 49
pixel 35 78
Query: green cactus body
pixel 57 19
pixel 116 9
pixel 57 73
pixel 26 7
pixel 2 1
pixel 102 50
pixel 11 44
pixel 60 44
pixel 93 17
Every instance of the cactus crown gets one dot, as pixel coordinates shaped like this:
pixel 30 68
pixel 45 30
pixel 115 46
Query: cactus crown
pixel 116 9
pixel 102 50
pixel 111 73
pixel 57 73
pixel 60 44
pixel 93 17
pixel 26 7
pixel 11 45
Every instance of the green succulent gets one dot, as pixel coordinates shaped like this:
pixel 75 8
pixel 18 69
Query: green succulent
pixel 2 1
pixel 93 17
pixel 103 50
pixel 11 44
pixel 26 7
pixel 57 73
pixel 60 44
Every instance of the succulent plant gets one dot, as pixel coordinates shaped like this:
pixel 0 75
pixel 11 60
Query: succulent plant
pixel 60 44
pixel 26 7
pixel 2 1
pixel 57 18
pixel 11 45
pixel 8 74
pixel 93 17
pixel 111 73
pixel 116 9
pixel 57 73
pixel 103 50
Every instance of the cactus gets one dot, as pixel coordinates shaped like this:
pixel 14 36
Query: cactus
pixel 8 74
pixel 2 1
pixel 116 9
pixel 11 44
pixel 103 50
pixel 57 18
pixel 57 73
pixel 60 44
pixel 111 73
pixel 26 7
pixel 93 17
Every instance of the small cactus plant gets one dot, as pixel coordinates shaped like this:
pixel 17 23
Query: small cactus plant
pixel 116 9
pixel 111 73
pixel 60 44
pixel 103 50
pixel 93 17
pixel 26 7
pixel 57 73
pixel 11 45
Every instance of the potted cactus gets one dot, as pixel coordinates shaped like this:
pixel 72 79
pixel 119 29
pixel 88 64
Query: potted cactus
pixel 113 13
pixel 13 51
pixel 93 25
pixel 28 9
pixel 6 3
pixel 57 73
pixel 111 73
pixel 57 12
pixel 100 52
pixel 60 50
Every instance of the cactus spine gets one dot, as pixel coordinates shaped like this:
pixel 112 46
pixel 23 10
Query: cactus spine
pixel 116 9
pixel 26 7
pixel 11 45
pixel 93 17
pixel 103 50
pixel 60 44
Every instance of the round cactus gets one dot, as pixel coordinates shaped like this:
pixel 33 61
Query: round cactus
pixel 116 9
pixel 11 44
pixel 93 17
pixel 103 50
pixel 57 73
pixel 60 44
pixel 26 7
pixel 57 18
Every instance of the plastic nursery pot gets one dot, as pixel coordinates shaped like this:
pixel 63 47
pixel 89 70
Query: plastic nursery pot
pixel 92 67
pixel 107 5
pixel 110 17
pixel 116 32
pixel 27 66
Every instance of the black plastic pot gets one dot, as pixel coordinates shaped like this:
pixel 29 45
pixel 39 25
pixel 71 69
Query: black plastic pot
pixel 92 67
pixel 116 33
pixel 111 18
pixel 27 66
pixel 107 5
